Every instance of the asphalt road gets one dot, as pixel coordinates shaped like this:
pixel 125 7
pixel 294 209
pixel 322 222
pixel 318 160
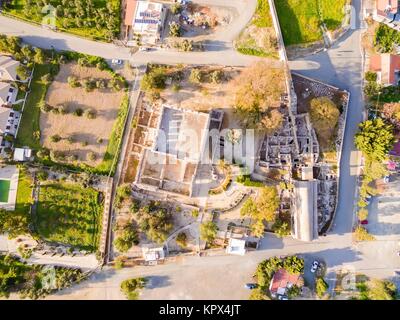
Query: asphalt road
pixel 341 66
pixel 222 277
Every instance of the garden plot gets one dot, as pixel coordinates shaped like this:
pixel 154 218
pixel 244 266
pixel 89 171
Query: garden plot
pixel 81 138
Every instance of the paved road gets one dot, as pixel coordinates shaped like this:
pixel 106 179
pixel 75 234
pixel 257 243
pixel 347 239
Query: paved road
pixel 223 276
pixel 341 66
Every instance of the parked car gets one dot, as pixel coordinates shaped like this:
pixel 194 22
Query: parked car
pixel 314 266
pixel 396 273
pixel 144 49
pixel 250 286
pixel 116 61
pixel 364 222
pixel 281 297
pixel 386 179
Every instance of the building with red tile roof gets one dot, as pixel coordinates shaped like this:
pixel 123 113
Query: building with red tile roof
pixel 281 281
pixel 387 67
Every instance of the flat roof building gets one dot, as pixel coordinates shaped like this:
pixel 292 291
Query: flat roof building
pixel 305 214
pixel 145 19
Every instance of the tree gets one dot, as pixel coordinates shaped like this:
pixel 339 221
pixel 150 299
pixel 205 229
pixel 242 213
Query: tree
pixel 320 287
pixel 293 264
pixel 257 89
pixel 324 114
pixel 362 214
pixel 153 80
pixel 272 121
pixel 216 76
pixel 13 223
pixel 386 38
pixel 258 294
pixel 176 8
pixel 361 234
pixel 47 78
pixel 381 290
pixel 281 228
pixel 130 287
pixel 391 112
pixel 375 139
pixel 181 240
pixel 208 231
pixel 73 81
pixel 92 156
pixel 268 203
pixel 196 76
pixel 127 239
pixel 258 228
pixel 293 291
pixel 22 72
pixel 55 138
pixel 39 56
pixel 174 29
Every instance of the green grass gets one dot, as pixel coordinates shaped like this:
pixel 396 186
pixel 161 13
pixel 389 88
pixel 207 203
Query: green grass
pixel 300 19
pixel 113 147
pixel 332 12
pixel 262 17
pixel 4 190
pixel 70 214
pixel 19 9
pixel 24 192
pixel 31 115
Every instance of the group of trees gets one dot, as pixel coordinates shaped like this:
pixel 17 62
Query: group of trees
pixel 131 287
pixel 127 238
pixel 267 268
pixel 377 289
pixel 76 14
pixel 386 38
pixel 375 139
pixel 153 82
pixel 208 231
pixel 264 208
pixel 258 91
pixel 30 280
pixel 155 221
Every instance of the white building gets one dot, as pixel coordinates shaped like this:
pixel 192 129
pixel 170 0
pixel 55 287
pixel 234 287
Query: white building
pixel 145 19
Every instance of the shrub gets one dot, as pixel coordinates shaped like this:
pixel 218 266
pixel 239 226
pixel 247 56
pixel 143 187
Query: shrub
pixel 130 287
pixel 71 140
pixel 89 84
pixel 361 234
pixel 62 109
pixel 208 231
pixel 47 78
pixel 42 175
pixel 196 76
pixel 175 29
pixel 55 138
pixel 181 240
pixel 90 114
pixel 78 112
pixel 217 76
pixel 371 76
pixel 362 214
pixel 99 140
pixel 92 156
pixel 73 81
pixel 84 143
pixel 320 287
pixel 45 107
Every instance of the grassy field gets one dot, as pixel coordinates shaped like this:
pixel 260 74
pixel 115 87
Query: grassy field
pixel 30 118
pixel 70 214
pixel 259 37
pixel 113 147
pixel 24 192
pixel 100 22
pixel 300 20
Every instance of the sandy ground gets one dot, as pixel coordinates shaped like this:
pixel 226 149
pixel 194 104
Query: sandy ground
pixel 104 102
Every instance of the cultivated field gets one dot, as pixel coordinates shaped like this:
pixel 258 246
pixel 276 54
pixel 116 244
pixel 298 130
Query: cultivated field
pixel 81 136
pixel 300 20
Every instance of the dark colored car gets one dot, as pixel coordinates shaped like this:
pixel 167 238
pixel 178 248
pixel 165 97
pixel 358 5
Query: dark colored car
pixel 250 286
pixel 364 222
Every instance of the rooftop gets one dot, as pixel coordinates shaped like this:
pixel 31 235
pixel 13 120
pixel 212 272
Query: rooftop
pixel 8 68
pixel 283 280
pixel 387 65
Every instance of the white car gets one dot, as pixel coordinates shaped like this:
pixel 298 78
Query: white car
pixel 144 49
pixel 116 61
pixel 314 266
